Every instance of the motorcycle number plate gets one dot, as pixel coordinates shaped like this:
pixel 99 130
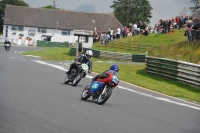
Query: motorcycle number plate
pixel 85 66
pixel 96 86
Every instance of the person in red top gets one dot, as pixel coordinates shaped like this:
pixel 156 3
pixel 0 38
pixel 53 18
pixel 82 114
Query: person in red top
pixel 177 22
pixel 173 19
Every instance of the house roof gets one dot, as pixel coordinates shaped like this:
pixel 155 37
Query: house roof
pixel 49 18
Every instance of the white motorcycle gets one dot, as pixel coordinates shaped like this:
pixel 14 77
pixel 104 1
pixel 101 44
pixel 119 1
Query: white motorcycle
pixel 76 74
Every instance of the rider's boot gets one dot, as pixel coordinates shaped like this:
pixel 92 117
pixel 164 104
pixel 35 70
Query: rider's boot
pixel 69 71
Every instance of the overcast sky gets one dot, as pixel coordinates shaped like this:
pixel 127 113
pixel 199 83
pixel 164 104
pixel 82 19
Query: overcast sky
pixel 162 9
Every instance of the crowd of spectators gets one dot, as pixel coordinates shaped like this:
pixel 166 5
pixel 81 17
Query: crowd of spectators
pixel 164 26
pixel 192 29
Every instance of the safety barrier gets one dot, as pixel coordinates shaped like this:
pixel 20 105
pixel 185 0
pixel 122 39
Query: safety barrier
pixel 114 55
pixel 52 44
pixel 182 71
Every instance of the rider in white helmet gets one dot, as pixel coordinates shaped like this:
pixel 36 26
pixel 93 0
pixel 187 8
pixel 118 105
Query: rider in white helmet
pixel 84 58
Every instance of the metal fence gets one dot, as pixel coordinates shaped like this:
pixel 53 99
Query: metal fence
pixel 182 71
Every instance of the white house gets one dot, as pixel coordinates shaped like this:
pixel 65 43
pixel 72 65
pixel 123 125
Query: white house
pixel 26 25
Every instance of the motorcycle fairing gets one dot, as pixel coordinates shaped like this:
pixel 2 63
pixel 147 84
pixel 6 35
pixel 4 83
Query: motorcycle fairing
pixel 96 86
pixel 106 80
pixel 115 79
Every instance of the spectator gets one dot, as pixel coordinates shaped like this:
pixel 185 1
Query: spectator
pixel 139 27
pixel 102 38
pixel 188 30
pixel 155 29
pixel 134 29
pixel 177 22
pixel 118 32
pixel 160 30
pixel 111 34
pixel 145 33
pixel 169 25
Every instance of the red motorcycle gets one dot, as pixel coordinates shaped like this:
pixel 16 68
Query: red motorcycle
pixel 101 89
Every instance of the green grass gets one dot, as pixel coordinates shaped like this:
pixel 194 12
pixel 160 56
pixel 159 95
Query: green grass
pixel 189 52
pixel 135 74
pixel 52 54
pixel 152 40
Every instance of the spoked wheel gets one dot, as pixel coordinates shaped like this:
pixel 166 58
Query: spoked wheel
pixel 77 79
pixel 85 94
pixel 104 96
pixel 66 80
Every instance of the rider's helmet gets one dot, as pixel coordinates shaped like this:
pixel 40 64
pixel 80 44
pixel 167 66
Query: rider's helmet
pixel 88 54
pixel 114 67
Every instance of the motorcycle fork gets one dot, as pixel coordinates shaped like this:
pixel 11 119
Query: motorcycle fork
pixel 105 88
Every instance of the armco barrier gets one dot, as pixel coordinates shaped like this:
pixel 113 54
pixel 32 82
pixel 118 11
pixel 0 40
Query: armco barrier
pixel 182 71
pixel 52 44
pixel 138 58
pixel 114 55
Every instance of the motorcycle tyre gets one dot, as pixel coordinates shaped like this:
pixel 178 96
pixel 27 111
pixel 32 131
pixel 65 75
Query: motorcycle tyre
pixel 74 83
pixel 84 91
pixel 66 80
pixel 105 98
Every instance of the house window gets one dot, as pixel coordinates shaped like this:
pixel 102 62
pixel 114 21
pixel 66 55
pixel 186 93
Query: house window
pixel 66 32
pixel 18 28
pixel 84 39
pixel 42 30
pixel 14 28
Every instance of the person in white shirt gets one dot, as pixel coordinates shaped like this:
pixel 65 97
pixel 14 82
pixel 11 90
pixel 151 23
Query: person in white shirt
pixel 134 29
pixel 118 32
pixel 111 34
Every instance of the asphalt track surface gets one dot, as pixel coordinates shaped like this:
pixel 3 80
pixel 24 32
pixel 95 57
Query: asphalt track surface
pixel 34 99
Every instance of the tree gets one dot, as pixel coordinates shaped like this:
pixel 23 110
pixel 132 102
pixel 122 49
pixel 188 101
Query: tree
pixel 53 6
pixel 196 5
pixel 132 11
pixel 183 11
pixel 50 7
pixel 54 3
pixel 3 6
